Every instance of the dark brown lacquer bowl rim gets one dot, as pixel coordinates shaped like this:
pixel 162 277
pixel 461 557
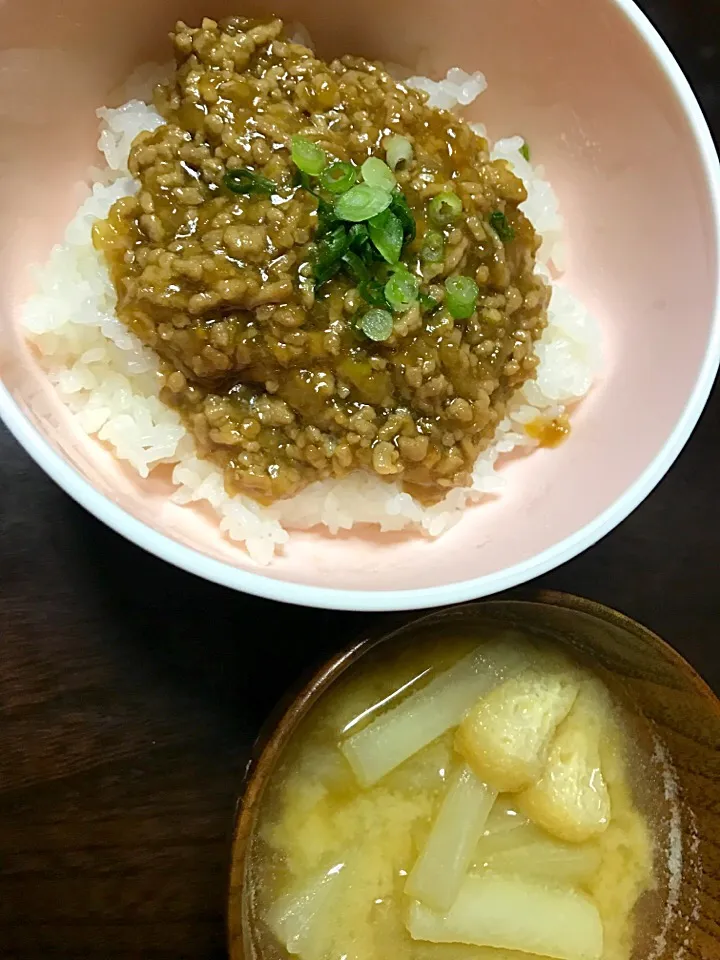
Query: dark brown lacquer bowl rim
pixel 284 720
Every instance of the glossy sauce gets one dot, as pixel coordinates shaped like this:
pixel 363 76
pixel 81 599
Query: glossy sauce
pixel 272 377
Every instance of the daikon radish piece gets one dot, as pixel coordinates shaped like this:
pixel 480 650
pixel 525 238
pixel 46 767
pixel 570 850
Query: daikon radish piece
pixel 299 919
pixel 543 858
pixel 396 735
pixel 442 865
pixel 505 738
pixel 513 914
pixel 423 950
pixel 524 836
pixel 571 799
pixel 504 816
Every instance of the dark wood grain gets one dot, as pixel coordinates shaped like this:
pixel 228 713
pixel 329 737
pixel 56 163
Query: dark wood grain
pixel 124 731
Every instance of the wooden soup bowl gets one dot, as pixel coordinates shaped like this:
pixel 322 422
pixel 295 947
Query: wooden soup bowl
pixel 681 722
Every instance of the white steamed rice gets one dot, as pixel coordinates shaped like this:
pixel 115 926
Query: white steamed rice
pixel 110 382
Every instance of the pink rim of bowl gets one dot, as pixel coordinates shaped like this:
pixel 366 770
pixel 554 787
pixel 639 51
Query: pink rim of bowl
pixel 427 594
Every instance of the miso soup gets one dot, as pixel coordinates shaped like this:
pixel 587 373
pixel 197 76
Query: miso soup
pixel 481 798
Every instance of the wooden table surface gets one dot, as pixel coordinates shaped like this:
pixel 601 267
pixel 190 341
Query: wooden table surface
pixel 124 732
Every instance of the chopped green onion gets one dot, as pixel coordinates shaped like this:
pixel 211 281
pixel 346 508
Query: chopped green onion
pixel 326 217
pixel 362 202
pixel 499 223
pixel 386 232
pixel 247 181
pixel 398 150
pixel 445 208
pixel 377 324
pixel 427 303
pixel 362 245
pixel 369 288
pixel 302 180
pixel 329 255
pixel 402 211
pixel 372 291
pixel 433 247
pixel 322 272
pixel 376 173
pixel 308 156
pixel 355 267
pixel 359 236
pixel 401 290
pixel 525 151
pixel 338 177
pixel 461 298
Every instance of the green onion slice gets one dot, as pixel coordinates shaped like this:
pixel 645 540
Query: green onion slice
pixel 372 291
pixel 244 181
pixel 398 150
pixel 427 303
pixel 377 324
pixel 326 218
pixel 362 203
pixel 499 223
pixel 377 173
pixel 308 156
pixel 401 290
pixel 361 243
pixel 302 180
pixel 433 247
pixel 329 254
pixel 461 297
pixel 525 151
pixel 402 211
pixel 338 177
pixel 445 208
pixel 386 232
pixel 369 288
pixel 355 267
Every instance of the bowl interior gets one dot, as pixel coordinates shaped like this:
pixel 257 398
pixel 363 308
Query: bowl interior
pixel 681 718
pixel 579 81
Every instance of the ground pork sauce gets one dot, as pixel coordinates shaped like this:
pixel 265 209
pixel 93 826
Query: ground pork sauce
pixel 269 367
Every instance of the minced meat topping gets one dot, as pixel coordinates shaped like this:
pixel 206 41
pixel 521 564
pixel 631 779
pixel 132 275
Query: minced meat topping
pixel 316 314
